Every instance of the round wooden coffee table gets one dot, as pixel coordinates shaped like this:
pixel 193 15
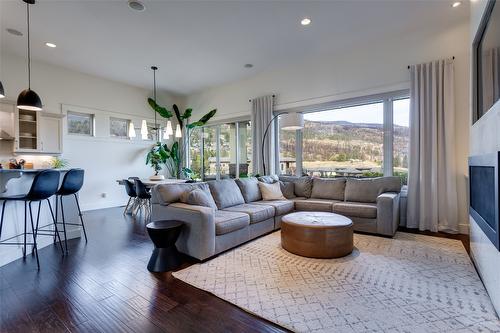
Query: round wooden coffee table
pixel 317 234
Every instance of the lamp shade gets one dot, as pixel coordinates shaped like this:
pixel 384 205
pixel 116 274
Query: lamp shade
pixel 29 100
pixel 2 92
pixel 178 132
pixel 169 129
pixel 292 121
pixel 131 130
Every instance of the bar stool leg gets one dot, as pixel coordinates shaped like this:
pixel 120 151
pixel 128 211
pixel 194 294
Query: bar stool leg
pixel 25 222
pixel 35 232
pixel 1 219
pixel 81 217
pixel 55 226
pixel 34 236
pixel 64 225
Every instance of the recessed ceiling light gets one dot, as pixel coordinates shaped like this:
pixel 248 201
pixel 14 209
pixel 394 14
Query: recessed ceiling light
pixel 305 21
pixel 50 44
pixel 456 4
pixel 14 32
pixel 136 5
pixel 248 66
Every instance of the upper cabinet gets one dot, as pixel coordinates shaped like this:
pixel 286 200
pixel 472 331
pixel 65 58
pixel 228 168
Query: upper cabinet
pixel 37 132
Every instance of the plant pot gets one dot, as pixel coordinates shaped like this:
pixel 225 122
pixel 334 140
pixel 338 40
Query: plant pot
pixel 157 177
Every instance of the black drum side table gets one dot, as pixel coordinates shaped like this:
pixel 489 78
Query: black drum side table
pixel 164 234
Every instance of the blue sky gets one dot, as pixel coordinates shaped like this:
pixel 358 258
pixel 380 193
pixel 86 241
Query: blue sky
pixel 371 113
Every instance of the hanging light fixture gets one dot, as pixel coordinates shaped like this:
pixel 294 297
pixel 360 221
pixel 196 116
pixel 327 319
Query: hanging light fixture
pixel 178 132
pixel 28 99
pixel 144 130
pixel 156 128
pixel 169 129
pixel 131 130
pixel 2 92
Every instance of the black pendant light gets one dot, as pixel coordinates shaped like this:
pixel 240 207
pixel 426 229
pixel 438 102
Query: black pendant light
pixel 2 92
pixel 28 99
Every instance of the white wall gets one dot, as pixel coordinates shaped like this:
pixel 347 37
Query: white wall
pixel 484 138
pixel 374 68
pixel 104 159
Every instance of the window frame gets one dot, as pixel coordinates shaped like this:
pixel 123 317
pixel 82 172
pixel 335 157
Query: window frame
pixel 127 121
pixel 91 116
pixel 388 126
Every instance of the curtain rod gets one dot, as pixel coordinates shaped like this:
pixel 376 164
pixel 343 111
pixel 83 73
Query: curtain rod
pixel 451 58
pixel 251 100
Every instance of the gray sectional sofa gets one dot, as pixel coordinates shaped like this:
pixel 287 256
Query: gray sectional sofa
pixel 233 211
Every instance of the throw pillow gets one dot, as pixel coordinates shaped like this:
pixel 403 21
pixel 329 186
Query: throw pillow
pixel 269 179
pixel 288 189
pixel 271 191
pixel 198 197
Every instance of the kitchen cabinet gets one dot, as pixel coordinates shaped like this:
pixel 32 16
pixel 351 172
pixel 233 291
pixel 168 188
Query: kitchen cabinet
pixel 37 132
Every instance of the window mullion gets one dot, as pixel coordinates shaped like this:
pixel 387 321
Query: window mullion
pixel 298 152
pixel 388 137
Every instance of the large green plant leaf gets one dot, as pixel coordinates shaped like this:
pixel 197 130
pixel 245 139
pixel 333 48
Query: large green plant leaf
pixel 178 115
pixel 175 152
pixel 203 120
pixel 187 114
pixel 163 112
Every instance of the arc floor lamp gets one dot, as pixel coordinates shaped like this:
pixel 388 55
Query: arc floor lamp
pixel 290 121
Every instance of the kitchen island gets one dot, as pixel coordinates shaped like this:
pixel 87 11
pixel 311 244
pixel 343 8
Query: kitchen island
pixel 18 181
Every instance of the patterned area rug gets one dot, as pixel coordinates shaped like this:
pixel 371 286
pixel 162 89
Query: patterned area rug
pixel 411 283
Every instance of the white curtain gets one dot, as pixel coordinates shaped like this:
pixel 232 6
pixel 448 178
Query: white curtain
pixel 432 188
pixel 262 113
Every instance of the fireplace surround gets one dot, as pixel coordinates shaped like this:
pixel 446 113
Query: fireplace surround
pixel 483 190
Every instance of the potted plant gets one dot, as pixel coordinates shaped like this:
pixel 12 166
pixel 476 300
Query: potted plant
pixel 155 158
pixel 174 155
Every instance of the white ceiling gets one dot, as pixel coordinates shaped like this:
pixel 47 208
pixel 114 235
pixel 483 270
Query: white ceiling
pixel 199 44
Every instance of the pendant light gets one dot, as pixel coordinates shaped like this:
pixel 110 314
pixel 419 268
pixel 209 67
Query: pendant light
pixel 178 132
pixel 169 129
pixel 144 130
pixel 131 130
pixel 156 128
pixel 2 92
pixel 28 99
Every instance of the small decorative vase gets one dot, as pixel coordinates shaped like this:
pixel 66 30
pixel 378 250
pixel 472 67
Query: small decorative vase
pixel 157 177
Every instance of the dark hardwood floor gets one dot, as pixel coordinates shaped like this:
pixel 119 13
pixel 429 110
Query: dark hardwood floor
pixel 104 286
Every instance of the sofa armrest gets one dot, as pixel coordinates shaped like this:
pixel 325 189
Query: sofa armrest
pixel 387 213
pixel 197 238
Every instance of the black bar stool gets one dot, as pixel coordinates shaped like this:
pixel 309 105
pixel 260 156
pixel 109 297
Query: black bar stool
pixel 44 186
pixel 71 185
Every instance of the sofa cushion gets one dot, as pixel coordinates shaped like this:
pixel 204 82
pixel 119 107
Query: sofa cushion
pixel 367 190
pixel 328 189
pixel 249 189
pixel 356 209
pixel 281 207
pixel 288 189
pixel 320 205
pixel 257 213
pixel 302 185
pixel 271 191
pixel 170 193
pixel 226 193
pixel 226 222
pixel 269 179
pixel 198 197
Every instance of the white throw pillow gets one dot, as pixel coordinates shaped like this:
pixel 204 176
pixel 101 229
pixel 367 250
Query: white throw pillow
pixel 271 191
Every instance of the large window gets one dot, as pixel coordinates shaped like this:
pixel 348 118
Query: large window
pixel 80 123
pixel 401 141
pixel 346 142
pixel 365 137
pixel 221 151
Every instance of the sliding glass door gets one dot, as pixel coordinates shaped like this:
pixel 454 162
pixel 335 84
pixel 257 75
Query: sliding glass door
pixel 221 151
